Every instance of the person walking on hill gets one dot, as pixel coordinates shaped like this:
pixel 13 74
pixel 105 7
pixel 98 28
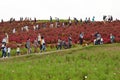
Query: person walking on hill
pixel 35 45
pixel 86 20
pixel 112 38
pixel 39 41
pixel 97 41
pixel 8 51
pixel 81 38
pixel 59 44
pixel 39 38
pixel 5 50
pixel 69 21
pixel 35 20
pixel 18 50
pixel 4 40
pixel 93 19
pixel 69 41
pixel 2 49
pixel 81 21
pixel 50 19
pixel 28 46
pixel 14 31
pixel 43 48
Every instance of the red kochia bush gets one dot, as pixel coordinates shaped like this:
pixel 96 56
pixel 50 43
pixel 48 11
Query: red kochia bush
pixel 51 34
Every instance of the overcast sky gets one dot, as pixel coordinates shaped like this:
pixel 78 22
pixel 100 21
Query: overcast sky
pixel 43 9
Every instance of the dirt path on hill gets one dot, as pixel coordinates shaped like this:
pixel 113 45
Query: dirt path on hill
pixel 43 53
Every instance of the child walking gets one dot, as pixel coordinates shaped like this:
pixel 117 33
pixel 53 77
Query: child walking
pixel 9 49
pixel 18 50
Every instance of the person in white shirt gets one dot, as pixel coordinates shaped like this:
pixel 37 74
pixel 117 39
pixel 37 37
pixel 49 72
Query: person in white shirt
pixel 18 50
pixel 26 28
pixel 43 48
pixel 34 27
pixel 37 26
pixel 14 31
pixel 101 41
pixel 4 40
pixel 8 51
pixel 39 38
pixel 51 25
pixel 70 22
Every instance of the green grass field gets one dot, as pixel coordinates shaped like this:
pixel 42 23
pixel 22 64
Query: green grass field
pixel 89 63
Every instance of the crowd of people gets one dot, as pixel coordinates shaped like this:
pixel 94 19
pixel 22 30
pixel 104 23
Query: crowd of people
pixel 40 41
pixel 21 19
pixel 55 23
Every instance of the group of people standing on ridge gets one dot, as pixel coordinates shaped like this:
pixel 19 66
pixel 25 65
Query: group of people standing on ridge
pixel 62 43
pixel 39 41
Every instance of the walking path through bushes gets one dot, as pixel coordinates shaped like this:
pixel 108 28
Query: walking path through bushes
pixel 44 53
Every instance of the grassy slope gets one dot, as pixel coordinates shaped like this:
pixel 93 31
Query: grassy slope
pixel 95 62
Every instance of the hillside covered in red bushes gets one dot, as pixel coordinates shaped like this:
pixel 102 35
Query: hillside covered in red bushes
pixel 51 34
